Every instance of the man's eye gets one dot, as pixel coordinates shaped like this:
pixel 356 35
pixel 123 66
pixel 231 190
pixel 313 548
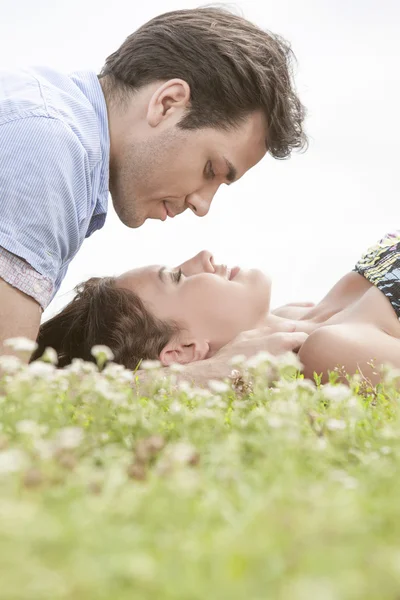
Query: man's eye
pixel 210 170
pixel 177 275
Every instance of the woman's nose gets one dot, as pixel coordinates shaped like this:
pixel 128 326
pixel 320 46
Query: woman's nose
pixel 203 262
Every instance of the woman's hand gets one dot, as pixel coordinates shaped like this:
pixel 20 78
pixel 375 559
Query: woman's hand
pixel 277 337
pixel 293 310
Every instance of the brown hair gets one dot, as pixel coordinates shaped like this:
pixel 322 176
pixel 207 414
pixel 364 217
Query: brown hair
pixel 233 68
pixel 102 313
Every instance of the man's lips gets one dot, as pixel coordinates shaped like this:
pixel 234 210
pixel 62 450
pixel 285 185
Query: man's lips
pixel 168 211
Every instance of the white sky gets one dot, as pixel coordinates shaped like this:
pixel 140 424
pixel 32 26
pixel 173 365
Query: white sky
pixel 305 220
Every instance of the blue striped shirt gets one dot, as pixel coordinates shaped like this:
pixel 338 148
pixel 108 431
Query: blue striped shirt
pixel 54 166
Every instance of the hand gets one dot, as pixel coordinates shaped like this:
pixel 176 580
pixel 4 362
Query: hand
pixel 273 339
pixel 293 310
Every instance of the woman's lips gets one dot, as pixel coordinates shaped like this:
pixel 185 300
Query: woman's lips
pixel 234 272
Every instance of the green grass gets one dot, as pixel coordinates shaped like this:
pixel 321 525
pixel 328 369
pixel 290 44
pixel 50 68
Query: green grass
pixel 283 492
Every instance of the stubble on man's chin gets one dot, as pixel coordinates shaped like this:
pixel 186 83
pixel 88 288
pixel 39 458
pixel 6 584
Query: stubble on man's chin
pixel 125 212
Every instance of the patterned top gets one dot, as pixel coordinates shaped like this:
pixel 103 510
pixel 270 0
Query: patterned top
pixel 381 266
pixel 54 171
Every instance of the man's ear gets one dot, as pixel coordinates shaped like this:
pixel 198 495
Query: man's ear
pixel 184 351
pixel 171 98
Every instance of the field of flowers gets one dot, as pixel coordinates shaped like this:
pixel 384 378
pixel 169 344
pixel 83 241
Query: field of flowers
pixel 245 490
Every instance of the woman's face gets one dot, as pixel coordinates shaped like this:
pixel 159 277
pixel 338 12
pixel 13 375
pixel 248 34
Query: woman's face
pixel 212 303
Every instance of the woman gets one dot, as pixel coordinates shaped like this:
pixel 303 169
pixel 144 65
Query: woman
pixel 188 313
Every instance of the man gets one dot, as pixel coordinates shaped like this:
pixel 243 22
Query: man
pixel 191 100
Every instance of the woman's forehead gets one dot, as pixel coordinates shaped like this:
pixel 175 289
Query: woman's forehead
pixel 139 276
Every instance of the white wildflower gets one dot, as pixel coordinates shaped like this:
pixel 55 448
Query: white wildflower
pixel 10 364
pixel 201 393
pixel 390 374
pixel 388 433
pixel 28 427
pixel 78 366
pixel 148 365
pixel 350 483
pixel 345 479
pixel 238 359
pixel 215 401
pixel 289 359
pixel 218 386
pixel 102 353
pixel 113 369
pixel 335 424
pixel 21 344
pixel 181 452
pixel 306 384
pixel 203 413
pixel 126 376
pixel 176 367
pixel 49 356
pixel 184 386
pixel 321 443
pixel 386 450
pixel 44 448
pixel 102 386
pixel 69 437
pixel 336 393
pixel 274 421
pixel 175 407
pixel 41 369
pixel 260 358
pixel 12 460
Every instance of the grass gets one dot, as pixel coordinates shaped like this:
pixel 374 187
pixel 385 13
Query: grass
pixel 284 491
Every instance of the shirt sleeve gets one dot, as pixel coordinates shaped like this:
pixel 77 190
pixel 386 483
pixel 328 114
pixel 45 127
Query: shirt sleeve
pixel 44 192
pixel 21 275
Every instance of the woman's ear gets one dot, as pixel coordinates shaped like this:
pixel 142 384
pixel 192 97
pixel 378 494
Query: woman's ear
pixel 184 352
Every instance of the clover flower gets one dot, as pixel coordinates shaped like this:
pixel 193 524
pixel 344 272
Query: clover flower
pixel 336 393
pixel 335 424
pixel 102 354
pixel 21 344
pixel 12 460
pixel 218 386
pixel 10 364
pixel 69 437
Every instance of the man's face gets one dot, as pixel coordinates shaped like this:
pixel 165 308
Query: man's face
pixel 166 170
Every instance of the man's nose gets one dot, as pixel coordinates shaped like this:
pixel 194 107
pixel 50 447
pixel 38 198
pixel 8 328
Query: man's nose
pixel 200 202
pixel 203 262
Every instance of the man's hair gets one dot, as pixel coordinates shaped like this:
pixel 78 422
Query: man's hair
pixel 232 66
pixel 102 313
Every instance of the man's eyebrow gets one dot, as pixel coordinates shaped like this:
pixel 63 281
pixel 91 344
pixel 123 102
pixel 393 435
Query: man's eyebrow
pixel 232 172
pixel 161 274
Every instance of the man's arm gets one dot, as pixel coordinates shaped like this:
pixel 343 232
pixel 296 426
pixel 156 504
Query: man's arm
pixel 353 346
pixel 19 315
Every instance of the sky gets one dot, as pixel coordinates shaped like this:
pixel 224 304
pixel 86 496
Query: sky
pixel 305 220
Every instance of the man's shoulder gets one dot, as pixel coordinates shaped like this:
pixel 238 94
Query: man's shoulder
pixel 47 93
pixel 23 93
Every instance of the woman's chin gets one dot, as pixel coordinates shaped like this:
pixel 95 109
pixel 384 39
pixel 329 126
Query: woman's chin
pixel 262 291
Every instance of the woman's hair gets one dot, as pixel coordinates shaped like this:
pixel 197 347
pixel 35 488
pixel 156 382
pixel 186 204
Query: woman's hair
pixel 102 313
pixel 233 68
